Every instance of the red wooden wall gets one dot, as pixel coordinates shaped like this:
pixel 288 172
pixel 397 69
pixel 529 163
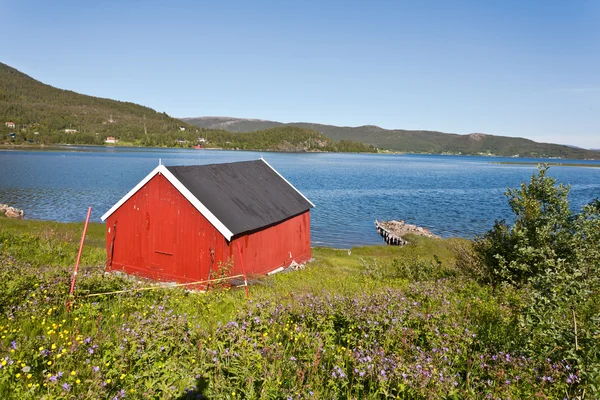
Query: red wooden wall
pixel 160 235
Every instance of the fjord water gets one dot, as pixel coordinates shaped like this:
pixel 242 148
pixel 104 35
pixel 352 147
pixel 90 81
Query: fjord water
pixel 450 195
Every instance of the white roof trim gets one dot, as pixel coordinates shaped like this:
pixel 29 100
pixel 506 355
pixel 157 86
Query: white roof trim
pixel 288 182
pixel 131 193
pixel 197 204
pixel 183 190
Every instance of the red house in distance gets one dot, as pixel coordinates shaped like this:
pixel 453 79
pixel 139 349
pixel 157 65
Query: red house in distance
pixel 180 223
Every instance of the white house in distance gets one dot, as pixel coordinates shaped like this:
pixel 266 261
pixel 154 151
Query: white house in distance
pixel 10 124
pixel 111 140
pixel 70 130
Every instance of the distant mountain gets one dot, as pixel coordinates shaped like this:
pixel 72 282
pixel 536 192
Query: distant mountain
pixel 31 111
pixel 420 141
pixel 232 124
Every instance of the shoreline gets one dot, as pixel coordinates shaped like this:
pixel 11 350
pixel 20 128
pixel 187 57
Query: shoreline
pixel 550 164
pixel 59 147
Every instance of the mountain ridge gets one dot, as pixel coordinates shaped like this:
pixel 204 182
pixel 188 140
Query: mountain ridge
pixel 411 141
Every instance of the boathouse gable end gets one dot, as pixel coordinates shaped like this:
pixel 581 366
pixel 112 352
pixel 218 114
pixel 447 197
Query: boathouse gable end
pixel 180 223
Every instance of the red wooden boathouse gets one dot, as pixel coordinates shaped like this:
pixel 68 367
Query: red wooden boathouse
pixel 181 223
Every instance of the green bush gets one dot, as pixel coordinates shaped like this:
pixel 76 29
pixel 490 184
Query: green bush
pixel 553 255
pixel 540 238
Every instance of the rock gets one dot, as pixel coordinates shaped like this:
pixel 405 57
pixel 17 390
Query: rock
pixel 393 231
pixel 11 212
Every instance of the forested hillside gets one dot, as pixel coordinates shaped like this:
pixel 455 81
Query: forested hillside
pixel 419 141
pixel 63 116
pixel 35 113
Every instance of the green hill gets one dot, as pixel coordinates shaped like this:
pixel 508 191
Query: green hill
pixel 63 116
pixel 47 115
pixel 412 141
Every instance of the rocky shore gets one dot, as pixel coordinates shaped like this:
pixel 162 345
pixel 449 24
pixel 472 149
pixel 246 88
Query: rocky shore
pixel 11 212
pixel 393 232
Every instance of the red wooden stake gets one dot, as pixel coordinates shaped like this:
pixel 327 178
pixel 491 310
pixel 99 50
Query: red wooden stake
pixel 87 220
pixel 243 269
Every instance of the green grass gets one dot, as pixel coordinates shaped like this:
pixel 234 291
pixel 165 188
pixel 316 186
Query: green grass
pixel 373 322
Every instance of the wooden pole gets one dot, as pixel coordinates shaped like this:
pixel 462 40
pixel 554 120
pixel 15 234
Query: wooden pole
pixel 87 220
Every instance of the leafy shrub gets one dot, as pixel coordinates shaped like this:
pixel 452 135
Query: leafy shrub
pixel 540 238
pixel 553 254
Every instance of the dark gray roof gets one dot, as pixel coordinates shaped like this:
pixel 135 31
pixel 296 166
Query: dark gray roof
pixel 244 196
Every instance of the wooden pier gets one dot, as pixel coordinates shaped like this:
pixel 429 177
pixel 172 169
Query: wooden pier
pixel 389 237
pixel 393 231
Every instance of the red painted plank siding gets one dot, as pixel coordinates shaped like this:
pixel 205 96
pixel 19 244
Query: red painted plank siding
pixel 160 235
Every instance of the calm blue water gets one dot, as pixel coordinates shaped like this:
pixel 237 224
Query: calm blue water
pixel 451 195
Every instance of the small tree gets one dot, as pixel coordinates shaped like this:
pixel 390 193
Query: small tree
pixel 555 254
pixel 540 238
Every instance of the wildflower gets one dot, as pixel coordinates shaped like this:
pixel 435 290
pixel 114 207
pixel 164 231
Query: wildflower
pixel 95 368
pixel 53 378
pixel 78 381
pixel 66 387
pixel 26 368
pixel 73 373
pixel 18 375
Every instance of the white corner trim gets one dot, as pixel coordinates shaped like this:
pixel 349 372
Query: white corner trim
pixel 130 193
pixel 183 190
pixel 288 182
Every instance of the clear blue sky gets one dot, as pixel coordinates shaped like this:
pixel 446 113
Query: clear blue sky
pixel 515 68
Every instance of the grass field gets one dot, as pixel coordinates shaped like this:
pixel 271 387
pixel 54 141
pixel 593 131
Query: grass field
pixel 376 322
